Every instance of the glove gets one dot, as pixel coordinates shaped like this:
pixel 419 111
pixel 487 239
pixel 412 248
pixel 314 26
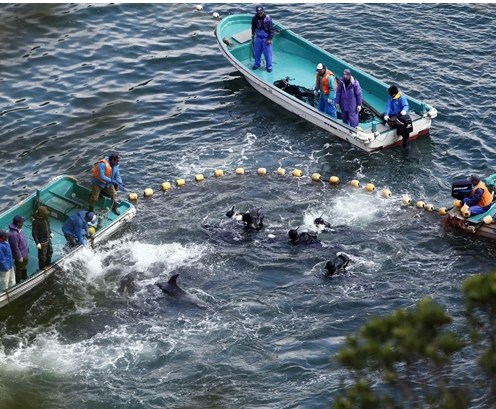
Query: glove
pixel 403 112
pixel 39 246
pixel 359 108
pixel 51 235
pixel 329 100
pixel 316 93
pixel 20 260
pixel 85 242
pixel 386 118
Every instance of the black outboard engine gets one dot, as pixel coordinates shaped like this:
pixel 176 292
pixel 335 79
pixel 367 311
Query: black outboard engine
pixel 405 127
pixel 461 188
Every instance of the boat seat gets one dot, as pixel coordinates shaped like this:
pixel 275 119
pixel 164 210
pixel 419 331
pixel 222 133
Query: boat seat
pixel 61 206
pixel 243 36
pixel 480 217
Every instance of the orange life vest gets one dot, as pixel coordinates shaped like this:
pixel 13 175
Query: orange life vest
pixel 325 81
pixel 108 170
pixel 486 198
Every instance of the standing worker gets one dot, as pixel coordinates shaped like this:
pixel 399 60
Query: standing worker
pixel 349 98
pixel 262 31
pixel 325 84
pixel 19 246
pixel 42 235
pixel 7 275
pixel 106 177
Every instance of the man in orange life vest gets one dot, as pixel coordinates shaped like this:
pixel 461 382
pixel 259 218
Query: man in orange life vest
pixel 325 84
pixel 106 177
pixel 480 198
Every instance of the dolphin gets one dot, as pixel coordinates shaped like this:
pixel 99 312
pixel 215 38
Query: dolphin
pixel 173 290
pixel 128 285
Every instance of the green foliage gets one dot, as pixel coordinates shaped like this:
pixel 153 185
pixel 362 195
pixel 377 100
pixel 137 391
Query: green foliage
pixel 403 360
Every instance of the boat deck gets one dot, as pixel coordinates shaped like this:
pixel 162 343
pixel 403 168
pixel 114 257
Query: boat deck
pixel 289 61
pixel 62 200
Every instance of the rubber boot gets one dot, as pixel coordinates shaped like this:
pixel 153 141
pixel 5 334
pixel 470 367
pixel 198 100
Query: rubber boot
pixel 115 209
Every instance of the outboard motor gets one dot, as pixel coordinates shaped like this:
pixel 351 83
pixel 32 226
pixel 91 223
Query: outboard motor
pixel 405 127
pixel 461 188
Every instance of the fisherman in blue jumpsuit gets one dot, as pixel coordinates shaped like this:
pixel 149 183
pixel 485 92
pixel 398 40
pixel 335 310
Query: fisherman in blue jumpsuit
pixel 262 30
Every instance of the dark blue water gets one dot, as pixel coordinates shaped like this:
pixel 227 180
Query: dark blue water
pixel 148 80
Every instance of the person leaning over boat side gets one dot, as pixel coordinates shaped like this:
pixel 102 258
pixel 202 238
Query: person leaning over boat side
pixel 396 105
pixel 349 98
pixel 7 275
pixel 480 198
pixel 106 177
pixel 262 31
pixel 42 235
pixel 75 228
pixel 20 250
pixel 325 84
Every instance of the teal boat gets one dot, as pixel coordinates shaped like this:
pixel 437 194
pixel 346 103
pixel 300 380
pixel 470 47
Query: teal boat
pixel 294 62
pixel 483 224
pixel 62 196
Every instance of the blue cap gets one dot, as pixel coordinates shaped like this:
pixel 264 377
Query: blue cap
pixel 346 72
pixel 90 216
pixel 18 219
pixel 259 8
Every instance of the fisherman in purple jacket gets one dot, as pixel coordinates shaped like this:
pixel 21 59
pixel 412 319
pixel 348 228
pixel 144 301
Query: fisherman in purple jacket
pixel 19 245
pixel 349 98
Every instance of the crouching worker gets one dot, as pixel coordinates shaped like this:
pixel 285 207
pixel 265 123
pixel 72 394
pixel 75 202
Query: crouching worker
pixel 75 228
pixel 42 235
pixel 480 198
pixel 7 274
pixel 106 178
pixel 338 265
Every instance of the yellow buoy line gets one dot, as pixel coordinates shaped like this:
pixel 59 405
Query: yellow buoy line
pixel 315 177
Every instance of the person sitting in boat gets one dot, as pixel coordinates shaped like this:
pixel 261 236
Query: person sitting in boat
pixel 106 178
pixel 349 98
pixel 7 275
pixel 262 30
pixel 480 199
pixel 396 114
pixel 75 228
pixel 396 105
pixel 325 85
pixel 42 235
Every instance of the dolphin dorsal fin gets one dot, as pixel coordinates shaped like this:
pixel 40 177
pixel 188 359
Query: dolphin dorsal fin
pixel 173 279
